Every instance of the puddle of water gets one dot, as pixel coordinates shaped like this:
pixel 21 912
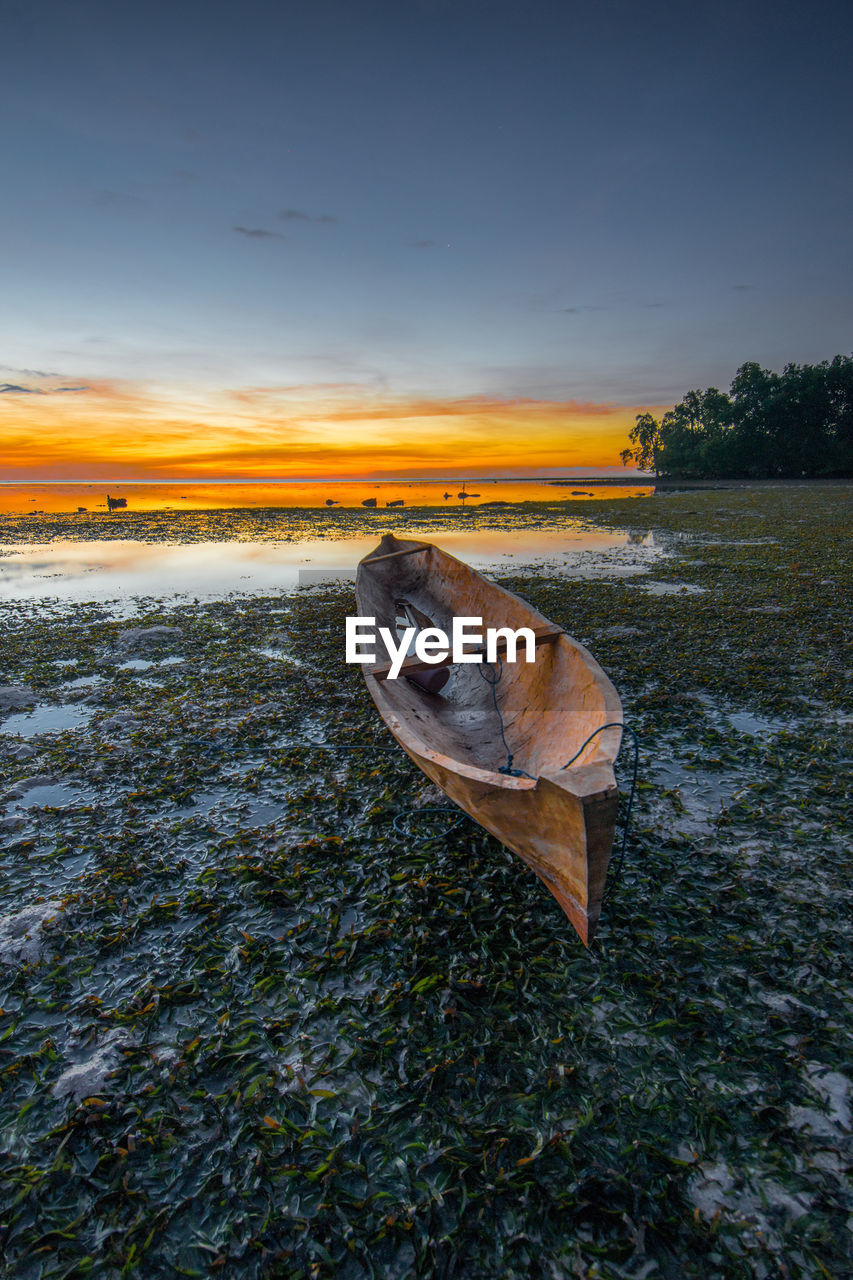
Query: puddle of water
pixel 46 719
pixel 144 664
pixel 672 588
pixel 701 792
pixel 120 570
pixel 748 722
pixel 231 801
pixel 755 726
pixel 280 655
pixel 26 877
pixel 54 796
pixel 83 682
pixel 261 812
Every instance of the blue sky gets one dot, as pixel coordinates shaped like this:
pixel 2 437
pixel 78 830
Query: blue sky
pixel 610 204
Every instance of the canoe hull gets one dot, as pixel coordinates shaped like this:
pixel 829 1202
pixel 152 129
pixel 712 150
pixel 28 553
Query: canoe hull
pixel 562 828
pixel 559 821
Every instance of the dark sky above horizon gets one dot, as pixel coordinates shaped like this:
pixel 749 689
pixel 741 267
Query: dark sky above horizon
pixel 605 203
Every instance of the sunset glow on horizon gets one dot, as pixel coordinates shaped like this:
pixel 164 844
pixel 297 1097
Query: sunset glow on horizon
pixel 112 430
pixel 387 240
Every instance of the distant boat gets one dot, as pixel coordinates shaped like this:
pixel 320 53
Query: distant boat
pixel 398 502
pixel 112 503
pixel 332 502
pixel 82 509
pixel 447 495
pixel 369 502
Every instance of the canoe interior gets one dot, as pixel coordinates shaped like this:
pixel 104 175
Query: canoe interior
pixel 549 707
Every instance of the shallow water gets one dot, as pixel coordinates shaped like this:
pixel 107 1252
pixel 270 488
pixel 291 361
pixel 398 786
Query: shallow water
pixel 74 571
pixel 54 795
pixel 145 664
pixel 32 499
pixel 745 722
pixel 45 719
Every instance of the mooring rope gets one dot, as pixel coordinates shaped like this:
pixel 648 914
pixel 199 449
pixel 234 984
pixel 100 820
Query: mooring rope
pixel 494 681
pixel 626 728
pixel 337 746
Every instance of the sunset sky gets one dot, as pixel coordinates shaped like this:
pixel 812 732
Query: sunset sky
pixel 406 237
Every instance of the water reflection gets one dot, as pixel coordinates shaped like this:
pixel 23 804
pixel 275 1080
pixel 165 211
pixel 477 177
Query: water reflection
pixel 116 569
pixel 83 500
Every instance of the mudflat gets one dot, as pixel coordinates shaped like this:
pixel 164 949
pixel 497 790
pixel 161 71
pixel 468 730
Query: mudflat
pixel 262 1011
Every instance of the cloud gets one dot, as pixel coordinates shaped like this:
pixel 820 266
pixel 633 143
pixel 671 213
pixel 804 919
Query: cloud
pixel 299 215
pixel 103 198
pixel 124 430
pixel 258 233
pixel 576 311
pixel 16 389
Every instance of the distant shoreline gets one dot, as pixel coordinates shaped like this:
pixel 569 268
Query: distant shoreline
pixel 629 479
pixel 767 482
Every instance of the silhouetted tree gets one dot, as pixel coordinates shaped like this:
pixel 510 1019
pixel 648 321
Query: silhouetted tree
pixel 797 423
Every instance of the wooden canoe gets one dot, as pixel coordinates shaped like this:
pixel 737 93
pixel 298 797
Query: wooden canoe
pixel 560 821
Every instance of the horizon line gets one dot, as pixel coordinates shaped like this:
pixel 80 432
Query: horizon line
pixel 579 474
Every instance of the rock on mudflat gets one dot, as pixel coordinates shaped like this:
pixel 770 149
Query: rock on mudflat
pixel 120 722
pixel 20 932
pixel 19 789
pixel 145 637
pixel 14 697
pixel 84 1079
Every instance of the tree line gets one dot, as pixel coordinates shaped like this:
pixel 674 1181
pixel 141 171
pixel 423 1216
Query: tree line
pixel 795 423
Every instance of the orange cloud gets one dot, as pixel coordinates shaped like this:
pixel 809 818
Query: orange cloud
pixel 119 431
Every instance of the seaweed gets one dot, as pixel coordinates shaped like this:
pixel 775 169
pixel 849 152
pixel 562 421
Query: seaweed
pixel 255 1028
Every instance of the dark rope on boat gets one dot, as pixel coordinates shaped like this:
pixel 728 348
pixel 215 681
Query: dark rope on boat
pixel 336 746
pixel 614 875
pixel 494 680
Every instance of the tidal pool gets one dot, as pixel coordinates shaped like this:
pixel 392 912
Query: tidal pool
pixel 45 719
pixel 74 571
